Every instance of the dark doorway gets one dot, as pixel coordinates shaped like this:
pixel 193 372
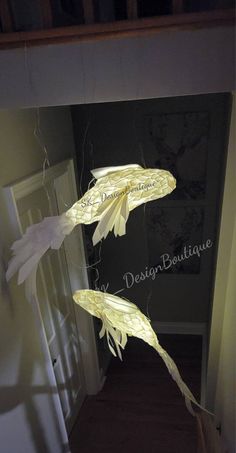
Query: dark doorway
pixel 187 136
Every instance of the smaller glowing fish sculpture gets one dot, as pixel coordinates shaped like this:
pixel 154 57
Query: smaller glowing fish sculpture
pixel 121 318
pixel 117 191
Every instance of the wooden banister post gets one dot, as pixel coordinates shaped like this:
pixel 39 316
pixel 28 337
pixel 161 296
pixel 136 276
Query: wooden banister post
pixel 88 11
pixel 132 9
pixel 46 11
pixel 177 6
pixel 6 16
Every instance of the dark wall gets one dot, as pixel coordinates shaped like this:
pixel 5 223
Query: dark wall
pixel 187 136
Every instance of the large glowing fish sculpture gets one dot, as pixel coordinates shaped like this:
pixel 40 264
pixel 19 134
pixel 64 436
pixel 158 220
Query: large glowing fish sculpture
pixel 121 318
pixel 117 191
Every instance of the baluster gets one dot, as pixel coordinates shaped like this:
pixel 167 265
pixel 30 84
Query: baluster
pixel 132 9
pixel 6 17
pixel 46 11
pixel 88 11
pixel 177 6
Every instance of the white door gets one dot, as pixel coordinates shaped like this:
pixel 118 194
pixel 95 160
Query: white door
pixel 33 201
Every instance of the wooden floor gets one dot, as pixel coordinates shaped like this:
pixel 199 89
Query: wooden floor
pixel 140 409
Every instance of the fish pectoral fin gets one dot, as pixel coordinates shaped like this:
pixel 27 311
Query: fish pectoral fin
pixel 115 216
pixel 122 217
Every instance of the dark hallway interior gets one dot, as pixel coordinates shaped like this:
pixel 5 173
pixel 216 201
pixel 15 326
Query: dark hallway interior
pixel 140 408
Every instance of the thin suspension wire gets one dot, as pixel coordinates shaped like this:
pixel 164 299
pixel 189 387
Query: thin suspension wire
pixel 84 142
pixel 37 130
pixel 46 162
pixel 122 72
pixel 83 159
pixel 150 286
pixel 142 158
pixel 29 73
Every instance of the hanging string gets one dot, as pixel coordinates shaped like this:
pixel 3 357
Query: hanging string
pixel 84 144
pixel 94 80
pixel 91 157
pixel 29 74
pixel 83 71
pixel 70 259
pixel 76 265
pixel 96 264
pixel 119 291
pixel 83 157
pixel 46 163
pixel 38 136
pixel 37 130
pixel 91 160
pixel 90 183
pixel 143 161
pixel 150 285
pixel 150 290
pixel 136 106
pixel 122 72
pixel 140 148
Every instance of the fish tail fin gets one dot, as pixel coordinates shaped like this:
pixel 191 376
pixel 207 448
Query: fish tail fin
pixel 174 372
pixel 115 216
pixel 38 238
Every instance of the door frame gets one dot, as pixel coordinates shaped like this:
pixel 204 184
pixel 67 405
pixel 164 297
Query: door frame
pixel 94 378
pixel 85 328
pixel 223 268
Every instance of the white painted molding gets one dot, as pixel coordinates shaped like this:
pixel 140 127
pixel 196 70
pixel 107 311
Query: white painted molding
pixel 28 185
pixel 116 70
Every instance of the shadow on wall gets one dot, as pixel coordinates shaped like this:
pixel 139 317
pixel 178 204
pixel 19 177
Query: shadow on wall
pixel 18 339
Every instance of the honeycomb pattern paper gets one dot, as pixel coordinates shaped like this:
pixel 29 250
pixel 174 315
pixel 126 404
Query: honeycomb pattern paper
pixel 117 191
pixel 121 318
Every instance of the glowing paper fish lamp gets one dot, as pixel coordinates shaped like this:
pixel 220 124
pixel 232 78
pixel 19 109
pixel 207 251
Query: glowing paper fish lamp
pixel 121 318
pixel 118 190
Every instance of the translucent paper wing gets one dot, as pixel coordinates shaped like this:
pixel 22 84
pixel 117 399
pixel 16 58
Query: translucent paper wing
pixel 121 318
pixel 37 239
pixel 115 216
pixel 117 191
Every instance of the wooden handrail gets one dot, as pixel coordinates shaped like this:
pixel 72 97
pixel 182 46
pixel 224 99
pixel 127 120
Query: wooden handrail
pixel 118 29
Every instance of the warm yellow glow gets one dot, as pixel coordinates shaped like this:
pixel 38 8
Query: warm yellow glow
pixel 117 191
pixel 121 318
